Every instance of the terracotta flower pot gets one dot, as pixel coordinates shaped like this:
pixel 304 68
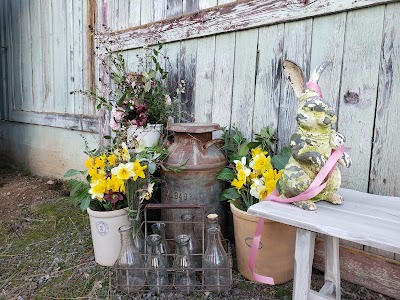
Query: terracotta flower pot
pixel 105 236
pixel 276 252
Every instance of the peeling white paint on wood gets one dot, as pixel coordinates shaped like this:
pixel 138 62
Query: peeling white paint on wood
pixel 26 57
pixel 223 78
pixel 204 79
pixel 269 76
pixel 327 45
pixel 59 64
pixel 297 47
pixel 358 91
pixel 68 121
pixel 15 49
pixel 232 17
pixel 384 168
pixel 244 80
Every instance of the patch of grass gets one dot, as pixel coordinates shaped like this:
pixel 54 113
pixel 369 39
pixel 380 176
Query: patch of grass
pixel 50 256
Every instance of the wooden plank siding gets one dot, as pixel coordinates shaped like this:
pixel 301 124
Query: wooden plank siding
pixel 236 78
pixel 45 58
pixel 230 55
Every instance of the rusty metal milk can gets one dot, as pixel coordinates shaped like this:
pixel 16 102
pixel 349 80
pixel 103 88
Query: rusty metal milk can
pixel 201 159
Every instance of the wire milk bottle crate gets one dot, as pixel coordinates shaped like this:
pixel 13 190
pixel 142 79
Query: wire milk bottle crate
pixel 217 265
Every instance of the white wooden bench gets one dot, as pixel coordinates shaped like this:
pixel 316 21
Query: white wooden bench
pixel 367 219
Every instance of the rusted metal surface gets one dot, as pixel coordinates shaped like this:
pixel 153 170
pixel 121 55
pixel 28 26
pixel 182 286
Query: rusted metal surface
pixel 201 159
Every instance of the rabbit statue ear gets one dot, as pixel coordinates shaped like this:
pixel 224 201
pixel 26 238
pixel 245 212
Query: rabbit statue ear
pixel 295 76
pixel 318 71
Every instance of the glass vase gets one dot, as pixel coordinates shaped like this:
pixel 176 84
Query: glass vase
pixel 129 267
pixel 216 264
pixel 156 265
pixel 184 274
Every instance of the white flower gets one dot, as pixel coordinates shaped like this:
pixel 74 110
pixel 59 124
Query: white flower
pixel 146 194
pixel 123 171
pixel 168 100
pixel 241 166
pixel 257 187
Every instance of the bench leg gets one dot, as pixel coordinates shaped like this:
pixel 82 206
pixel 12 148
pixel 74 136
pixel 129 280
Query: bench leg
pixel 332 268
pixel 304 255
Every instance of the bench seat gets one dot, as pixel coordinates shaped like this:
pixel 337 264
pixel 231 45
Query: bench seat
pixel 368 219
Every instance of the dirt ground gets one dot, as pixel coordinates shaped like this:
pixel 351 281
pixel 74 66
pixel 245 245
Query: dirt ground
pixel 20 192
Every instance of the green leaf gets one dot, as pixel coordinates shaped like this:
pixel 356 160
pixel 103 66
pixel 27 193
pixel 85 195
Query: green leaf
pixel 237 204
pixel 243 150
pixel 253 145
pixel 280 160
pixel 152 167
pixel 76 186
pixel 226 174
pixel 85 203
pixel 107 137
pixel 230 193
pixel 121 99
pixel 72 172
pixel 147 86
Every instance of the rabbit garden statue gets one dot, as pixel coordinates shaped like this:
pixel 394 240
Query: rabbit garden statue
pixel 312 143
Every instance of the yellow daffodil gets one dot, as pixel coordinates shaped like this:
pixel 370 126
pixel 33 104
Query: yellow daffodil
pixel 123 171
pixel 138 170
pixel 89 163
pixel 257 151
pixel 100 161
pixel 269 187
pixel 261 163
pixel 96 174
pixel 112 160
pixel 115 184
pixel 238 184
pixel 124 152
pixel 98 188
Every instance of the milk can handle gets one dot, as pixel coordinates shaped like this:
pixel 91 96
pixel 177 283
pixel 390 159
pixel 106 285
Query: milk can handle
pixel 212 142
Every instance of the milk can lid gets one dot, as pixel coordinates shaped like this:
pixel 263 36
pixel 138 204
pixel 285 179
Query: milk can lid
pixel 194 127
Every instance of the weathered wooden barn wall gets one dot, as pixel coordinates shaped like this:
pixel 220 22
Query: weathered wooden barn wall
pixel 230 56
pixel 228 52
pixel 43 57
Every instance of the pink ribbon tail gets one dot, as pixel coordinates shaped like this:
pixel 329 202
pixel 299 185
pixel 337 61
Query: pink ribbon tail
pixel 253 254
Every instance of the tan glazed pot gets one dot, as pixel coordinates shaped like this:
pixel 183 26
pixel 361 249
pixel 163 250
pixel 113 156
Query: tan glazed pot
pixel 276 251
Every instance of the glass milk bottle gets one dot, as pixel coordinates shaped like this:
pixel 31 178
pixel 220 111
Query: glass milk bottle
pixel 156 265
pixel 129 267
pixel 216 264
